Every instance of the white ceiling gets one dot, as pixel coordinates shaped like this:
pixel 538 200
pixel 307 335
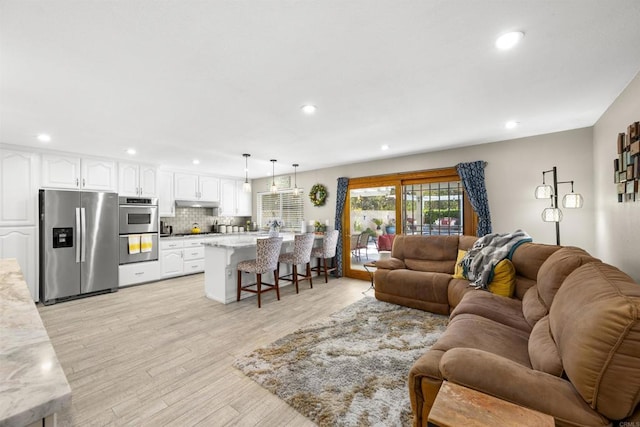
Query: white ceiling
pixel 185 79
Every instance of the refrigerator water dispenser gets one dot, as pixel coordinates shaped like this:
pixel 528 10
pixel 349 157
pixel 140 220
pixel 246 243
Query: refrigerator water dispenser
pixel 63 237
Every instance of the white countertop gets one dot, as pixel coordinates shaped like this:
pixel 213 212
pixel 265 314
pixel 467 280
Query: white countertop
pixel 244 240
pixel 32 382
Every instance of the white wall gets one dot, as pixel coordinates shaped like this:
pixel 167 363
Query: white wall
pixel 514 170
pixel 617 225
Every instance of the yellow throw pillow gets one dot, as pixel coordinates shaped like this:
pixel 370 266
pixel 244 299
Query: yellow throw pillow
pixel 458 272
pixel 504 279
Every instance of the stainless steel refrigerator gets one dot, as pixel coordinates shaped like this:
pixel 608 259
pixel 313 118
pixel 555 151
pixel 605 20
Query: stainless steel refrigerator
pixel 78 243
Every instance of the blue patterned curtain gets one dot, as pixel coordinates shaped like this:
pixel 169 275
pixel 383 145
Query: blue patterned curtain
pixel 472 176
pixel 341 199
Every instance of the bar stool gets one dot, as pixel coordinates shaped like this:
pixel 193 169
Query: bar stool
pixel 327 251
pixel 302 245
pixel 267 252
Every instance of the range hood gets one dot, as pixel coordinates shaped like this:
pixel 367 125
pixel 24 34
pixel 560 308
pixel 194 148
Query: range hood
pixel 196 204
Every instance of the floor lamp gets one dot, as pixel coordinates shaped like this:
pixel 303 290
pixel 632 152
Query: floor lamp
pixel 570 200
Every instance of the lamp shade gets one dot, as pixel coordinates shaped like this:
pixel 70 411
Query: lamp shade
pixel 246 187
pixel 552 215
pixel 572 201
pixel 544 191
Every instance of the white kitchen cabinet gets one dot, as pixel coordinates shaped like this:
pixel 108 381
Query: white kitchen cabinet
pixel 233 199
pixel 196 187
pixel 97 175
pixel 137 180
pixel 18 189
pixel 139 272
pixel 172 263
pixel 20 243
pixel 68 172
pixel 181 256
pixel 166 199
pixel 209 188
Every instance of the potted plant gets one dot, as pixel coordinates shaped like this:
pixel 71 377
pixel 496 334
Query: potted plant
pixel 378 222
pixel 391 228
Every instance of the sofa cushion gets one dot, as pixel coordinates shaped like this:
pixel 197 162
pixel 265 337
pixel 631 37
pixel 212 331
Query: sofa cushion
pixel 417 289
pixel 556 268
pixel 507 311
pixel 533 309
pixel 426 253
pixel 458 270
pixel 542 350
pixel 503 280
pixel 527 259
pixel 473 331
pixel 458 288
pixel 595 322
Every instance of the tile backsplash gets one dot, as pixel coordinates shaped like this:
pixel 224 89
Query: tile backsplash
pixel 204 217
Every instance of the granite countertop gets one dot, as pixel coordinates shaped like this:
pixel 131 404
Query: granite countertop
pixel 32 382
pixel 244 241
pixel 206 235
pixel 247 240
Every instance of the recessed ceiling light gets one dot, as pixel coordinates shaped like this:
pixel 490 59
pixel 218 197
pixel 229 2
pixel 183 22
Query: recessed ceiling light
pixel 511 124
pixel 43 137
pixel 131 151
pixel 309 109
pixel 384 147
pixel 509 40
pixel 196 162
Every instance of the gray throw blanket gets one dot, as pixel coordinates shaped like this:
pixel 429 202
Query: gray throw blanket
pixel 487 252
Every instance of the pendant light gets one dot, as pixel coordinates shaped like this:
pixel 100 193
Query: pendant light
pixel 274 188
pixel 246 187
pixel 296 190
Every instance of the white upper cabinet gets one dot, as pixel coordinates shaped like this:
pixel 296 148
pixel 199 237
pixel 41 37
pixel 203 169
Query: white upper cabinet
pixel 166 200
pixel 60 171
pixel 137 180
pixel 196 187
pixel 18 191
pixel 185 186
pixel 209 188
pixel 233 200
pixel 76 173
pixel 97 175
pixel 148 181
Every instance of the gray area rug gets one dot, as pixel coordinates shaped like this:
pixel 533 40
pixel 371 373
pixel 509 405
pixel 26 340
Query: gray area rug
pixel 351 369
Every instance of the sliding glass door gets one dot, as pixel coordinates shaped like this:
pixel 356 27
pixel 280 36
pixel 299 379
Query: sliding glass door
pixel 424 202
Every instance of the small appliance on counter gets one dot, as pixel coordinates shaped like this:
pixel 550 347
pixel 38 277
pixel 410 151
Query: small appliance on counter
pixel 195 228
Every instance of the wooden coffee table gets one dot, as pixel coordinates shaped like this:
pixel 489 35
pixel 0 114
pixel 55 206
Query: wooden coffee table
pixel 456 405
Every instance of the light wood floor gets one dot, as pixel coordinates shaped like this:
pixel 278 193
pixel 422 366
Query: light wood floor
pixel 161 353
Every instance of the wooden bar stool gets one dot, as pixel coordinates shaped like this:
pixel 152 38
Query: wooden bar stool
pixel 267 252
pixel 327 251
pixel 302 245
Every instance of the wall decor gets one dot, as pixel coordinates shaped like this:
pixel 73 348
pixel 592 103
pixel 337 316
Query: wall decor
pixel 318 195
pixel 626 168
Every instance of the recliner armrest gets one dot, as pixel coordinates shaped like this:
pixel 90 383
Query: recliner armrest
pixel 391 264
pixel 505 379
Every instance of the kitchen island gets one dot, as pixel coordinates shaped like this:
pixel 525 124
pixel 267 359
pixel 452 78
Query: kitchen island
pixel 33 386
pixel 221 260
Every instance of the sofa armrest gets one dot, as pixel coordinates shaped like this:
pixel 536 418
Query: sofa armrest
pixel 505 379
pixel 391 264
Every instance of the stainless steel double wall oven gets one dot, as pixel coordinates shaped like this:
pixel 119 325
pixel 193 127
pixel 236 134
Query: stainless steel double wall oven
pixel 138 217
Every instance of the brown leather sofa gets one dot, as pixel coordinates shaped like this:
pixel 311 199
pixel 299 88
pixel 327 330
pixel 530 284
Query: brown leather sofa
pixel 567 344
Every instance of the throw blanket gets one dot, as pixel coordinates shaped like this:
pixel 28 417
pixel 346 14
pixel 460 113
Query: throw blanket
pixel 488 251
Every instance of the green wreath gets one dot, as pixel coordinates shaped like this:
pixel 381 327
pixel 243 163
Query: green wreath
pixel 318 194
